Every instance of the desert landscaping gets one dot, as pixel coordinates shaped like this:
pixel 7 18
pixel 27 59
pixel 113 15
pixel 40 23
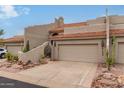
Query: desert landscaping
pixel 109 79
pixel 16 66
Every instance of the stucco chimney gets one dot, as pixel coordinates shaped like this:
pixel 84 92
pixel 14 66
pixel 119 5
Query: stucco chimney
pixel 59 22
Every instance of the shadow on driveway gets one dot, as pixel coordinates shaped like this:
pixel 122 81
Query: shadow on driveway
pixel 11 83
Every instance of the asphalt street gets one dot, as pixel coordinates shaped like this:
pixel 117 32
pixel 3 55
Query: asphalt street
pixel 10 83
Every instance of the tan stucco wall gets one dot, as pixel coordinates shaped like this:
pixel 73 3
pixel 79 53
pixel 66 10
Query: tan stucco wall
pixel 95 41
pixel 99 20
pixel 81 29
pixel 37 35
pixel 115 19
pixel 98 24
pixel 33 55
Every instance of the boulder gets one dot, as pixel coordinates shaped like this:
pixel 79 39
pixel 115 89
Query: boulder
pixel 27 63
pixel 120 79
pixel 104 70
pixel 109 76
pixel 30 65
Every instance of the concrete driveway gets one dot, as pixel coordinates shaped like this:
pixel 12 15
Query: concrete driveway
pixel 63 74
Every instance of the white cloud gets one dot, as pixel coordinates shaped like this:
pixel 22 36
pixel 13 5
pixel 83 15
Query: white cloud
pixel 9 11
pixel 25 11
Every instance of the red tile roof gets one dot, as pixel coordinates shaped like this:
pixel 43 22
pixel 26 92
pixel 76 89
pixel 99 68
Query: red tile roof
pixel 57 30
pixel 117 32
pixel 14 39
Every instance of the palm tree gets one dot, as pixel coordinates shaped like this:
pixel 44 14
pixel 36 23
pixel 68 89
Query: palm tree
pixel 1 33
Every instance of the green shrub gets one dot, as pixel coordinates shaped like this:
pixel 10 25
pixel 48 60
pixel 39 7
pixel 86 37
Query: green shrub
pixel 24 50
pixel 113 49
pixel 110 57
pixel 9 56
pixel 43 60
pixel 27 47
pixel 108 60
pixel 15 58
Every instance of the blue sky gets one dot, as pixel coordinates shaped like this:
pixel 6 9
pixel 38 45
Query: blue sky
pixel 13 19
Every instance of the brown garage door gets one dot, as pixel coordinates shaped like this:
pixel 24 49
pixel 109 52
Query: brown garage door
pixel 84 53
pixel 121 53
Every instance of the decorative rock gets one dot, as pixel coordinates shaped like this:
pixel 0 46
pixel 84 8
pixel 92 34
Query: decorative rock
pixel 105 83
pixel 5 64
pixel 36 63
pixel 20 63
pixel 16 66
pixel 114 69
pixel 1 65
pixel 8 65
pixel 30 65
pixel 104 70
pixel 108 82
pixel 121 79
pixel 27 63
pixel 108 76
pixel 114 78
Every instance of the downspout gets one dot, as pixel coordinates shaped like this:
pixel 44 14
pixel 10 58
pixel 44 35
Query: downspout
pixel 107 32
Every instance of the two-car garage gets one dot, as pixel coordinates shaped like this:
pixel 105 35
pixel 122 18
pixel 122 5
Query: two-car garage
pixel 79 52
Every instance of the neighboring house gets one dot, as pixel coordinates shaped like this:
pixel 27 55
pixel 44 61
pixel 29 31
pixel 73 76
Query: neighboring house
pixel 14 44
pixel 84 41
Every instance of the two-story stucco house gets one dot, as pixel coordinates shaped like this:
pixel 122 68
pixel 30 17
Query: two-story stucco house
pixel 83 41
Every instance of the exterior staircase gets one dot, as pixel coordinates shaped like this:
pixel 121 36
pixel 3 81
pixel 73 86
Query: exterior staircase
pixel 34 54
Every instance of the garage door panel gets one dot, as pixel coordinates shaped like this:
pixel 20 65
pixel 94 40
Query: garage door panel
pixel 121 52
pixel 14 49
pixel 85 53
